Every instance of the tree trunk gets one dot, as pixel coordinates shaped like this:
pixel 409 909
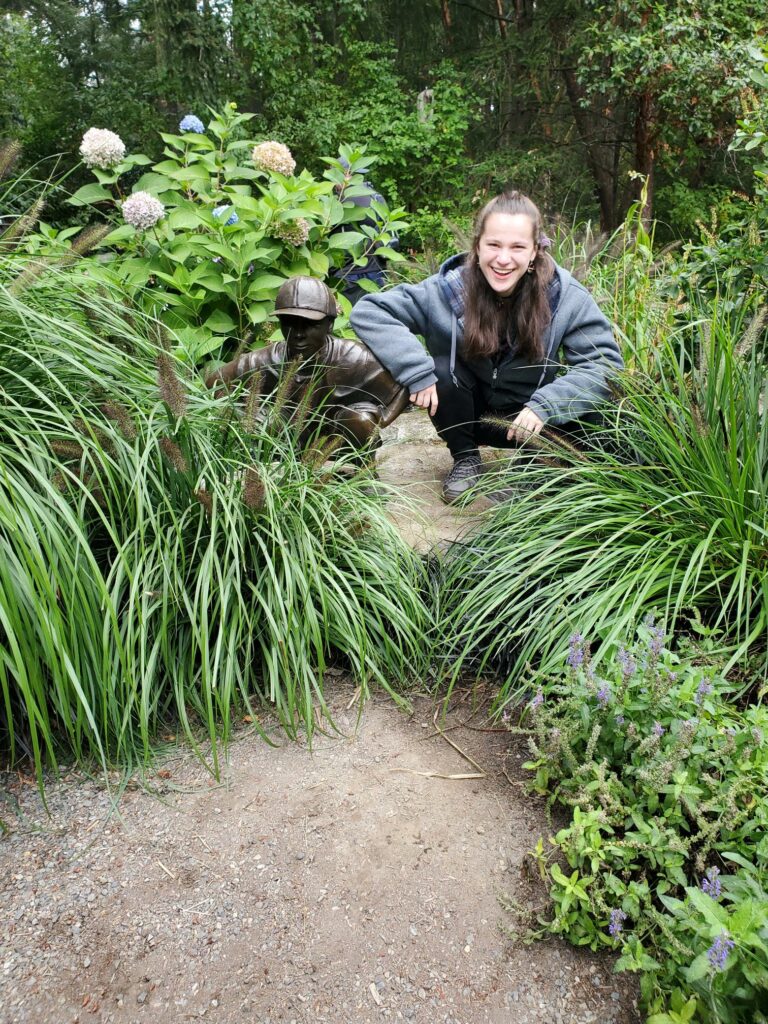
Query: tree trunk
pixel 602 173
pixel 645 154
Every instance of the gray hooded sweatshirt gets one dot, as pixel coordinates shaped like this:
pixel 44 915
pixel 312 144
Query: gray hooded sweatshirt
pixel 569 382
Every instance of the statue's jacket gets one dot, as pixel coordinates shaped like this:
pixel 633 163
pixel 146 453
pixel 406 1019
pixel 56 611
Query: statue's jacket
pixel 341 374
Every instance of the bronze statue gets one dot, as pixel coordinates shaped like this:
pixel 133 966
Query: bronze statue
pixel 350 391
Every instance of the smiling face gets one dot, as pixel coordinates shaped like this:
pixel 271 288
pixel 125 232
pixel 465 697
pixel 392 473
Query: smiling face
pixel 304 337
pixel 505 250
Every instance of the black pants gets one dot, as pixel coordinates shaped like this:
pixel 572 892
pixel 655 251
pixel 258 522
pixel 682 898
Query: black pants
pixel 460 408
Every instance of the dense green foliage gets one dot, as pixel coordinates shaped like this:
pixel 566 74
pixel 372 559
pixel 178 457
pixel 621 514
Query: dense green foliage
pixel 457 99
pixel 666 780
pixel 173 558
pixel 667 512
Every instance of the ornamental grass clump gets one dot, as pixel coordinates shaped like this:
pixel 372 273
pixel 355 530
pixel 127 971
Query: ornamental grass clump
pixel 665 509
pixel 162 567
pixel 665 783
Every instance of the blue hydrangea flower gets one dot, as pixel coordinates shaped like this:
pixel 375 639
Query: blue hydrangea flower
pixel 191 123
pixel 717 954
pixel 232 219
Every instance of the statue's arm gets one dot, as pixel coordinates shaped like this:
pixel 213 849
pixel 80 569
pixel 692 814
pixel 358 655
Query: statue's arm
pixel 244 366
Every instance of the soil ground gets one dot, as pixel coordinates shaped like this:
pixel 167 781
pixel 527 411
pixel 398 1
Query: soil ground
pixel 355 882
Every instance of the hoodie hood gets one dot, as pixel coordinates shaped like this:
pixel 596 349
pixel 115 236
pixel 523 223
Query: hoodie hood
pixel 450 277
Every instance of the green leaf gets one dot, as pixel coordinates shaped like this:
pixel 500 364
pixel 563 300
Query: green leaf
pixel 220 322
pixel 390 254
pixel 258 311
pixel 120 234
pixel 154 183
pixel 319 263
pixel 89 194
pixel 265 282
pixel 181 218
pixel 711 911
pixel 179 253
pixel 345 240
pixel 698 969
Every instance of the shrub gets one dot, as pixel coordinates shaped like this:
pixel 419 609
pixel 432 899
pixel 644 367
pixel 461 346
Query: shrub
pixel 665 854
pixel 208 234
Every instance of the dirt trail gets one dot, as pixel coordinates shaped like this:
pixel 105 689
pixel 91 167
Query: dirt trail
pixel 413 459
pixel 356 882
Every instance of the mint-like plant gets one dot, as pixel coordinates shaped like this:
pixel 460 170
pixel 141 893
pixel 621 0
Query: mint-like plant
pixel 666 778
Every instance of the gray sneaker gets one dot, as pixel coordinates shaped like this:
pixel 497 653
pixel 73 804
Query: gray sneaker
pixel 465 474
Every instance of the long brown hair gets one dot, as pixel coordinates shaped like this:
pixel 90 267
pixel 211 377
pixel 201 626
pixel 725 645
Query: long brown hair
pixel 485 318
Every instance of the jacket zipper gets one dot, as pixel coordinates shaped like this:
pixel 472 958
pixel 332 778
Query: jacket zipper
pixel 494 375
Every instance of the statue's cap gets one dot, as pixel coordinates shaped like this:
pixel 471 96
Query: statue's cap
pixel 307 297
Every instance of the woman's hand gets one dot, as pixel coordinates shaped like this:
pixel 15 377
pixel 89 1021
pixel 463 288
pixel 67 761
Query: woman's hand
pixel 427 399
pixel 524 424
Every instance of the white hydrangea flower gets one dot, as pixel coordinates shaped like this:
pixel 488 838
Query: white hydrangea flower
pixel 294 232
pixel 273 156
pixel 142 210
pixel 101 148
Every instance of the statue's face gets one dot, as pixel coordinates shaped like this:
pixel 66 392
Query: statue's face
pixel 304 337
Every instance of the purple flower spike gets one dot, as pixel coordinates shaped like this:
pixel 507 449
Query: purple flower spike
pixel 576 650
pixel 658 729
pixel 627 662
pixel 538 700
pixel 711 884
pixel 604 695
pixel 704 688
pixel 717 954
pixel 619 719
pixel 616 924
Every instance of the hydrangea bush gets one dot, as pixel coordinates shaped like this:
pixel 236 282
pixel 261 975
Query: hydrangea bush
pixel 667 846
pixel 209 233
